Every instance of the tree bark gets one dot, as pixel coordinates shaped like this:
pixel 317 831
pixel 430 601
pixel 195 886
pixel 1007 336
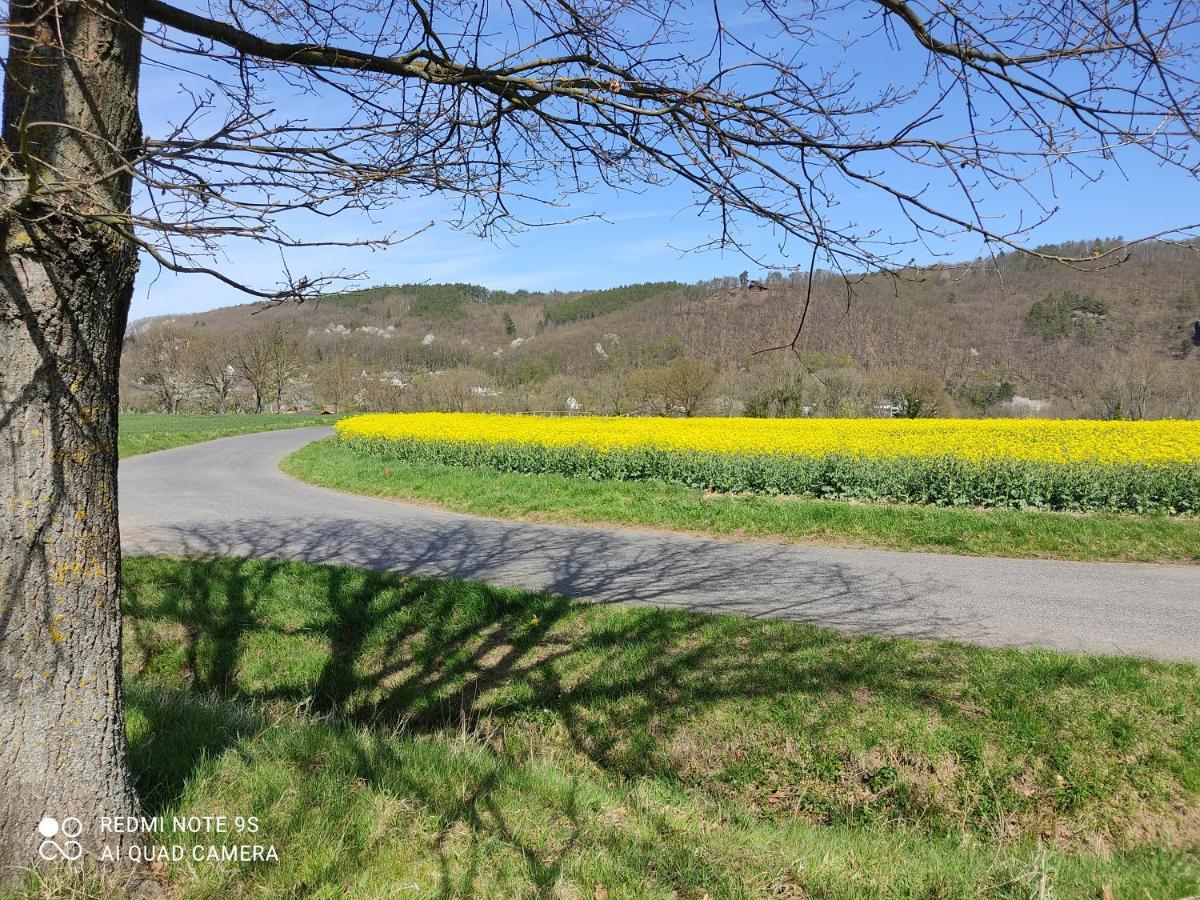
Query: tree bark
pixel 66 280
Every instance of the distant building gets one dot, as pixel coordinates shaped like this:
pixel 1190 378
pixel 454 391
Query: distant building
pixel 1028 404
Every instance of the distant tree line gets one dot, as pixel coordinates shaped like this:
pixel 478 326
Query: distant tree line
pixel 942 344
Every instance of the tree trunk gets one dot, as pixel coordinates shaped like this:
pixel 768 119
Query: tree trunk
pixel 66 281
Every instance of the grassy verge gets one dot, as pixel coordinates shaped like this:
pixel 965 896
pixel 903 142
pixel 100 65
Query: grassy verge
pixel 411 737
pixel 1000 532
pixel 938 480
pixel 147 432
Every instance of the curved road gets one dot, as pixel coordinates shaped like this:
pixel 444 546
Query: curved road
pixel 228 498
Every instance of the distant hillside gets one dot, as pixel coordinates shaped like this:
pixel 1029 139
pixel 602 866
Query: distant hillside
pixel 1013 335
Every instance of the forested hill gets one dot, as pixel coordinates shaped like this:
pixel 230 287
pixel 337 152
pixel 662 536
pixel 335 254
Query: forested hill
pixel 1014 335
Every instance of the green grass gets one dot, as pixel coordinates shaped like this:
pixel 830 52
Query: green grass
pixel 419 738
pixel 545 497
pixel 941 480
pixel 147 432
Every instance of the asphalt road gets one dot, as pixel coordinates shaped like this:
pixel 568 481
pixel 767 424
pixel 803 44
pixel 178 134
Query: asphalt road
pixel 228 498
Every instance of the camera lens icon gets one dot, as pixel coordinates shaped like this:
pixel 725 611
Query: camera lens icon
pixel 68 829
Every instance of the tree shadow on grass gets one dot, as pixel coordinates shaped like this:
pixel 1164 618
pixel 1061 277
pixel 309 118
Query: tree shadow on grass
pixel 377 649
pixel 359 612
pixel 415 656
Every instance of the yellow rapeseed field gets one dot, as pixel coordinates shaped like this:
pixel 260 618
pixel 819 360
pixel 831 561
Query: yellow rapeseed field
pixel 1035 440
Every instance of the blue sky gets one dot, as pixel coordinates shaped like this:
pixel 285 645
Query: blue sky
pixel 646 235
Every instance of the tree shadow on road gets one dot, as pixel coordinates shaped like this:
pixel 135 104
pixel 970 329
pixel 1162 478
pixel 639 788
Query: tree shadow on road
pixel 633 690
pixel 377 649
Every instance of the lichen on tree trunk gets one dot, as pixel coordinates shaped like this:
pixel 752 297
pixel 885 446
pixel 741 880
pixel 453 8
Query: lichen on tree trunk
pixel 62 743
pixel 66 280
